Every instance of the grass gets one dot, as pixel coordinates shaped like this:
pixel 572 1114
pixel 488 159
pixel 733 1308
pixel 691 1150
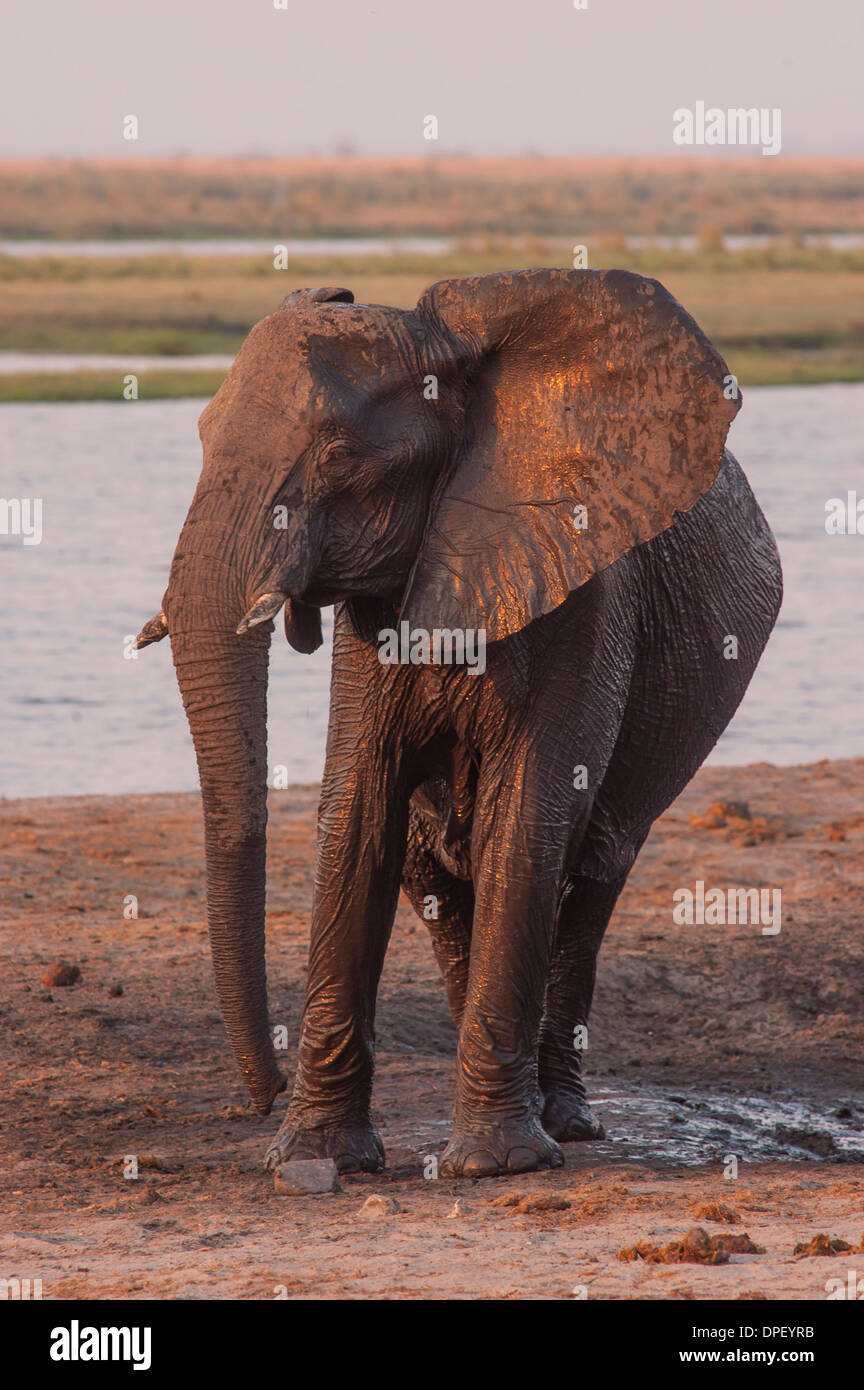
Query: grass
pixel 106 386
pixel 430 193
pixel 785 314
pixel 752 366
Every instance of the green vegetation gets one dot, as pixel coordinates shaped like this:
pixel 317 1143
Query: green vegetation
pixel 778 316
pixel 787 312
pixel 106 386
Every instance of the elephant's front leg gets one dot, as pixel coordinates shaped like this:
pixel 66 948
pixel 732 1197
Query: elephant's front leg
pixel 362 827
pixel 520 856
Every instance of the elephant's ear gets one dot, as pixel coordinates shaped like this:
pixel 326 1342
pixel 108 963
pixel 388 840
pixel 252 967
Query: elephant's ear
pixel 595 412
pixel 326 294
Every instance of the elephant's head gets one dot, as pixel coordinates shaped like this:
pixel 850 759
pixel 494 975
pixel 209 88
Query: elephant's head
pixel 472 460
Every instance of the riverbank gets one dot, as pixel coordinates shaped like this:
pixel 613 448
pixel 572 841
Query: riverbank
pixel 705 1041
pixel 781 315
pixel 754 368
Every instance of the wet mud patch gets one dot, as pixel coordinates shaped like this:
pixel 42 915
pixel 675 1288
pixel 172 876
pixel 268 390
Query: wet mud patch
pixel 697 1127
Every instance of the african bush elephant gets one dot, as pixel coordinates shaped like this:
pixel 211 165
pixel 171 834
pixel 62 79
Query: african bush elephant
pixel 537 458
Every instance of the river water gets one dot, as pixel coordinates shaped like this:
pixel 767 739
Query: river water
pixel 33 247
pixel 116 479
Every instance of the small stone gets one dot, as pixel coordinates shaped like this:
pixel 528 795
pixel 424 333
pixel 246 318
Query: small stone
pixel 301 1177
pixel 160 1164
pixel 813 1140
pixel 377 1208
pixel 116 990
pixel 149 1195
pixel 61 974
pixel 459 1208
pixel 715 1211
pixel 543 1201
pixel 821 1244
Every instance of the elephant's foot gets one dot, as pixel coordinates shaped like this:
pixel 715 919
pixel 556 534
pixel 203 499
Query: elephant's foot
pixel 570 1119
pixel 482 1149
pixel 355 1146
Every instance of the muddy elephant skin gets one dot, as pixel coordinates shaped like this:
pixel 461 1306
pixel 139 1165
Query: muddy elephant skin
pixel 533 461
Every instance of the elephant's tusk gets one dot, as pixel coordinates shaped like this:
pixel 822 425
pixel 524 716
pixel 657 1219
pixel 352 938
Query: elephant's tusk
pixel 267 606
pixel 154 631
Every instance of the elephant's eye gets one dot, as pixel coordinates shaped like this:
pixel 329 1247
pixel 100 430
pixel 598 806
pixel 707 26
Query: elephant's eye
pixel 342 456
pixel 338 466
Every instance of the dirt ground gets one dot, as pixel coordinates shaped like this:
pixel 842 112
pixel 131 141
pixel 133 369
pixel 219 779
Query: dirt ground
pixel 705 1042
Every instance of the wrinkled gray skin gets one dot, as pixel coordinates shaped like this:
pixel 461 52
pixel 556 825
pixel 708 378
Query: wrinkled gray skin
pixel 607 650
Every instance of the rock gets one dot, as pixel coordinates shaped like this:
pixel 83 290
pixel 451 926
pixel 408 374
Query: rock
pixel 732 1244
pixel 532 1201
pixel 738 825
pixel 459 1208
pixel 160 1164
pixel 822 1244
pixel 62 973
pixel 544 1201
pixel 378 1208
pixel 696 1247
pixel 301 1177
pixel 721 814
pixel 812 1140
pixel 149 1195
pixel 715 1211
pixel 116 990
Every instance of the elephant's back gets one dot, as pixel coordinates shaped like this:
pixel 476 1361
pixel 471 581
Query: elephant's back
pixel 721 559
pixel 709 590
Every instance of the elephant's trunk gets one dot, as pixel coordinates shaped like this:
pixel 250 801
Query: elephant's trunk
pixel 223 682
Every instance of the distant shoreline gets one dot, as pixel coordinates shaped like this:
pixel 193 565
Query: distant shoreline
pixel 776 778
pixel 782 312
pixel 179 382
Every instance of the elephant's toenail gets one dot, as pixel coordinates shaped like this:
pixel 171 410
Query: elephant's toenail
pixel 480 1164
pixel 522 1160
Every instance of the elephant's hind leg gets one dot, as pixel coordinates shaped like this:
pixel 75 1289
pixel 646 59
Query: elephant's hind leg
pixel 520 855
pixel 444 903
pixel 583 914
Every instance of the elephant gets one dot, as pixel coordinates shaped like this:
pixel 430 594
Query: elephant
pixel 538 457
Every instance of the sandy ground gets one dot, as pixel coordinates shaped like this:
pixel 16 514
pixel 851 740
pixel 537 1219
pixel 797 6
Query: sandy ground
pixel 705 1041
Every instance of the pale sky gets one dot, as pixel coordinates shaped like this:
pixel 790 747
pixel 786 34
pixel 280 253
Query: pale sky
pixel 239 76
